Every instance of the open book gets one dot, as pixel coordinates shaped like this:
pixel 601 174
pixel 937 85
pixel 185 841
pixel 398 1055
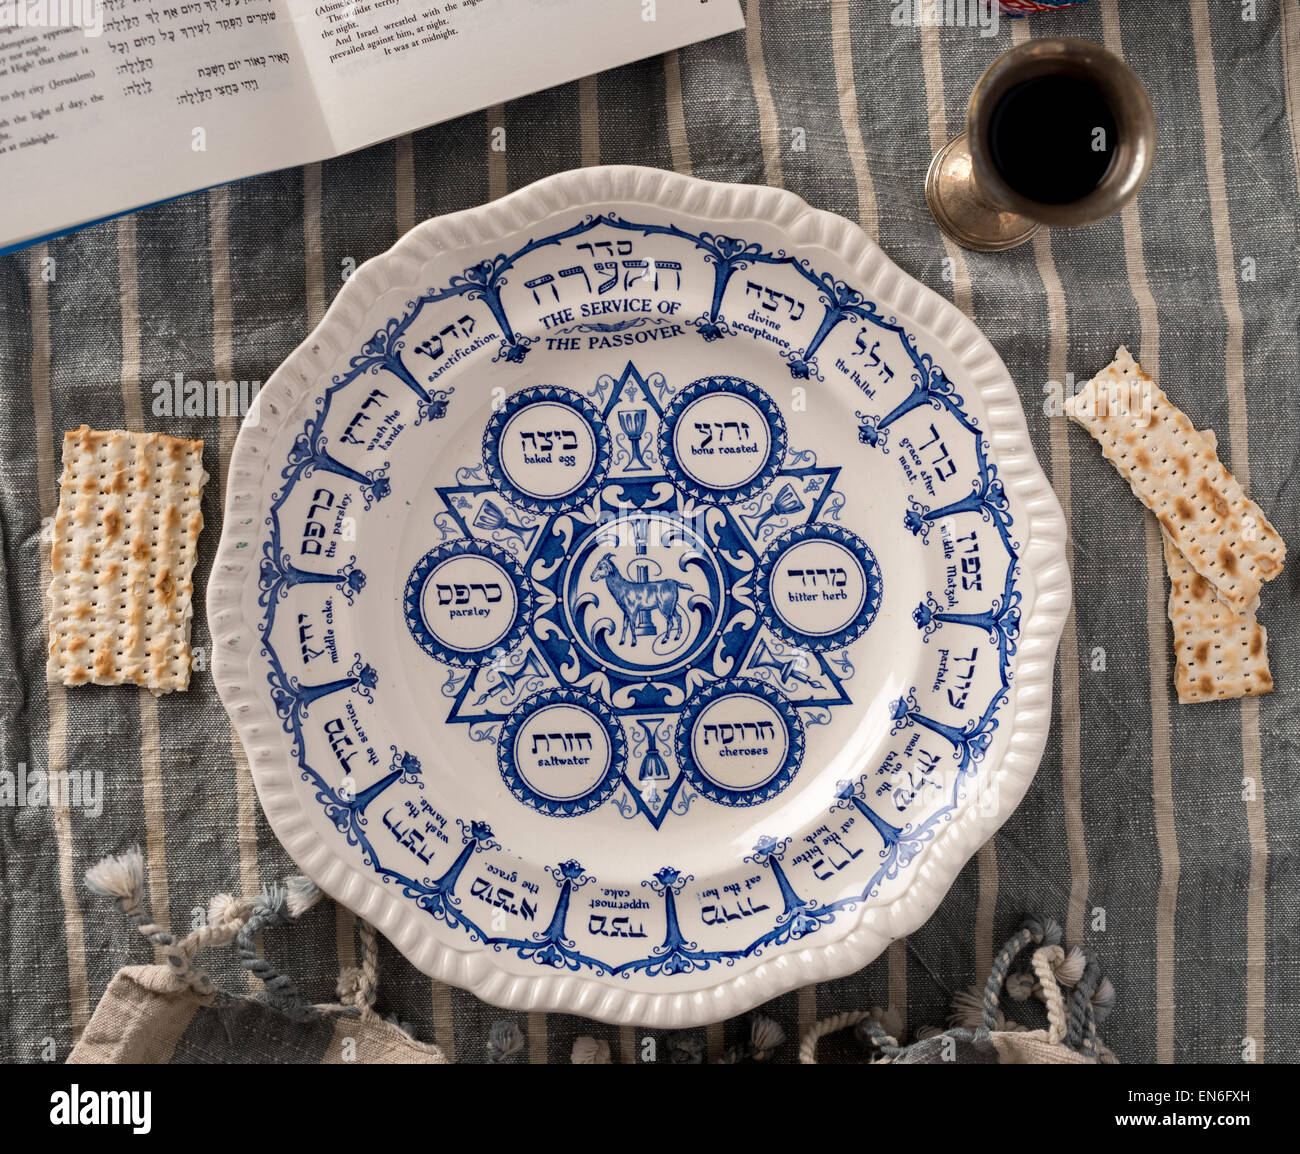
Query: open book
pixel 106 105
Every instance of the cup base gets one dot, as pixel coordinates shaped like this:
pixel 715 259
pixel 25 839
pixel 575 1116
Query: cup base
pixel 961 212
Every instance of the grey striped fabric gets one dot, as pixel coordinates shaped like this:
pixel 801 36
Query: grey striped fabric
pixel 1165 837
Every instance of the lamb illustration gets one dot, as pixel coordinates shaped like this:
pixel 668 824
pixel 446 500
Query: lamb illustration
pixel 643 596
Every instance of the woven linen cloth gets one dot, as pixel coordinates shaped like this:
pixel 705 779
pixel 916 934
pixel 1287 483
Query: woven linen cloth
pixel 143 1020
pixel 1165 837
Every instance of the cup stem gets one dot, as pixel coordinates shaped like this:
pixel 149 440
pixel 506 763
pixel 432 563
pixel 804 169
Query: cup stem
pixel 962 211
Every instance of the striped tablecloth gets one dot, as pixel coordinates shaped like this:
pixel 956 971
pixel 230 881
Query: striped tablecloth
pixel 1164 837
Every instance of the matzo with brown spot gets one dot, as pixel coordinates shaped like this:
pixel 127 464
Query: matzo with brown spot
pixel 1218 654
pixel 1175 471
pixel 122 559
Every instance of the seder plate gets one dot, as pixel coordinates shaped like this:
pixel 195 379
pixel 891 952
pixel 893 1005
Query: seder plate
pixel 638 597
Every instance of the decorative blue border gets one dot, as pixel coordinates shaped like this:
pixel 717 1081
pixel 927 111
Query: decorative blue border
pixel 819 531
pixel 715 791
pixel 414 592
pixel 500 479
pixel 562 807
pixel 778 440
pixel 799 917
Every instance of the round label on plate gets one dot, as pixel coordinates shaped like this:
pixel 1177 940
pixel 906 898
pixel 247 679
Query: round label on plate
pixel 819 586
pixel 546 450
pixel 561 753
pixel 465 602
pixel 722 439
pixel 740 742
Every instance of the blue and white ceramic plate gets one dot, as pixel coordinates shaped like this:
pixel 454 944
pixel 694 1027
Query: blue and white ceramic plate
pixel 638 597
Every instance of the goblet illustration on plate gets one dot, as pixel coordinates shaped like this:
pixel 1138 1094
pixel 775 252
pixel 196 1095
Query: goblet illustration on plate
pixel 786 502
pixel 491 517
pixel 632 422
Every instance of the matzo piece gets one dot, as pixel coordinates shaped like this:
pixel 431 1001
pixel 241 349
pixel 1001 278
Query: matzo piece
pixel 1217 653
pixel 122 559
pixel 1174 470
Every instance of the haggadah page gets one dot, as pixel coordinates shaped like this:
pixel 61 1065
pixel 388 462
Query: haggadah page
pixel 383 67
pixel 107 105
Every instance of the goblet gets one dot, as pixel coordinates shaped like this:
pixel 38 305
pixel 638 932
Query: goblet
pixel 1058 132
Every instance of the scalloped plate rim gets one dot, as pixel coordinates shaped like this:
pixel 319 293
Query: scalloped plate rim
pixel 1029 713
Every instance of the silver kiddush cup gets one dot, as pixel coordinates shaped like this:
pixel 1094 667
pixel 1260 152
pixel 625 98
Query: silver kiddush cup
pixel 972 201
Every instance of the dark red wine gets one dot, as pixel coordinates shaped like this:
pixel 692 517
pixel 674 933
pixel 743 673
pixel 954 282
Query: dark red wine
pixel 1052 138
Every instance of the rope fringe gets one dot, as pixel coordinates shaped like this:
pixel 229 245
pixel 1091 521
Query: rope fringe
pixel 239 920
pixel 121 877
pixel 1068 983
pixel 358 985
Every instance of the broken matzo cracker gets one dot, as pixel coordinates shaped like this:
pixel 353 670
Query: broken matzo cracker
pixel 122 559
pixel 1174 470
pixel 1217 653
